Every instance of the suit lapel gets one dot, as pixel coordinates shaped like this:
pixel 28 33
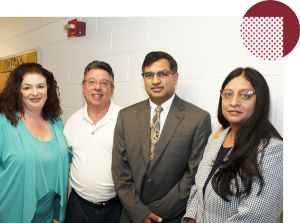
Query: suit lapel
pixel 143 119
pixel 175 116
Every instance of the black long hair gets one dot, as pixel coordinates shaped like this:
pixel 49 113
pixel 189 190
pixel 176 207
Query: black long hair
pixel 242 161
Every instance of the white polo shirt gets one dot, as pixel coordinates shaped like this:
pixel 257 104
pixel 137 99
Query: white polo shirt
pixel 91 148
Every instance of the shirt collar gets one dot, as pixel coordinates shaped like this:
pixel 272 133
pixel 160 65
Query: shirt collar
pixel 106 116
pixel 165 106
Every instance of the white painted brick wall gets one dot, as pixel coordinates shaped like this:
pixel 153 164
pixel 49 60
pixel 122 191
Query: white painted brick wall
pixel 206 49
pixel 70 49
pixel 172 30
pixel 131 36
pixel 97 44
pixel 50 54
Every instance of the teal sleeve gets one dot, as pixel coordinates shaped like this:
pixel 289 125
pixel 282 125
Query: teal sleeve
pixel 1 141
pixel 70 154
pixel 60 123
pixel 70 157
pixel 61 127
pixel 63 175
pixel 3 136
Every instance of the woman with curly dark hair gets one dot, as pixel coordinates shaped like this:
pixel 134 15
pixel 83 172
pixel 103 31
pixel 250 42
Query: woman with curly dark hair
pixel 33 151
pixel 240 177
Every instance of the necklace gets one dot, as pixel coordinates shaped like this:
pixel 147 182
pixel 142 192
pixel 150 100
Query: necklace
pixel 36 134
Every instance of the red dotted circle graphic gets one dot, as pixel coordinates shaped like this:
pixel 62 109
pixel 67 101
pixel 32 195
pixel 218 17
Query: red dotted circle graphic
pixel 263 36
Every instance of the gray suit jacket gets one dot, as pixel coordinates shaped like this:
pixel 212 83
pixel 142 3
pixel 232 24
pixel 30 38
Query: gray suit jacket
pixel 163 187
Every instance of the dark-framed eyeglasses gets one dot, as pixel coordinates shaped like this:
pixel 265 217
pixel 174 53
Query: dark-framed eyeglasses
pixel 244 95
pixel 160 74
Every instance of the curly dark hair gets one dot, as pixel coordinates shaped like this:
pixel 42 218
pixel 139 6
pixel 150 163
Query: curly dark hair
pixel 11 97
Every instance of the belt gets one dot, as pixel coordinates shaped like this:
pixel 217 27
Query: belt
pixel 106 203
pixel 101 204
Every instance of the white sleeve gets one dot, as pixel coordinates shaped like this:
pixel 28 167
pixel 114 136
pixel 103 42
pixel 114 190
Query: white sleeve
pixel 192 206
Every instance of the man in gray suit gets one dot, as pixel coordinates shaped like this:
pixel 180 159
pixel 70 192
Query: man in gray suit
pixel 158 144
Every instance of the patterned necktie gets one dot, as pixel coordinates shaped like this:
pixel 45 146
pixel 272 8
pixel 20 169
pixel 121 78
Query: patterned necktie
pixel 155 126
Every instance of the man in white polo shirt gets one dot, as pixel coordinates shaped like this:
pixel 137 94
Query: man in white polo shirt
pixel 89 134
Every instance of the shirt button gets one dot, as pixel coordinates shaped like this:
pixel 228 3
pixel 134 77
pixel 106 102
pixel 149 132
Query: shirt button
pixel 91 123
pixel 149 180
pixel 92 133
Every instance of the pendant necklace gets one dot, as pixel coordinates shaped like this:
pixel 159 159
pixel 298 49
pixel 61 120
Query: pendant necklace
pixel 36 134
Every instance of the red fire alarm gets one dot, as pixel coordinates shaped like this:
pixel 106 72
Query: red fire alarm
pixel 75 28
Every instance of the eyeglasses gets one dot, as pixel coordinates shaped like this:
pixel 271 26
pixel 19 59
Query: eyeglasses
pixel 245 95
pixel 160 74
pixel 93 82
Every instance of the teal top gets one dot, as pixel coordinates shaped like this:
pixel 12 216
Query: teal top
pixel 33 174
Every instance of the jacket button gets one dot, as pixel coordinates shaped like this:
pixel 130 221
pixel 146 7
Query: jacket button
pixel 149 180
pixel 93 133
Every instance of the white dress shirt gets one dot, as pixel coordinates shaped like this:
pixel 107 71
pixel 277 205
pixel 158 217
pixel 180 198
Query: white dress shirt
pixel 91 148
pixel 163 115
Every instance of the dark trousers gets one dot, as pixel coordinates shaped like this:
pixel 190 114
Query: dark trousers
pixel 80 210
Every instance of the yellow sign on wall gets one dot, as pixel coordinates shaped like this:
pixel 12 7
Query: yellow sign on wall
pixel 9 63
pixel 12 63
